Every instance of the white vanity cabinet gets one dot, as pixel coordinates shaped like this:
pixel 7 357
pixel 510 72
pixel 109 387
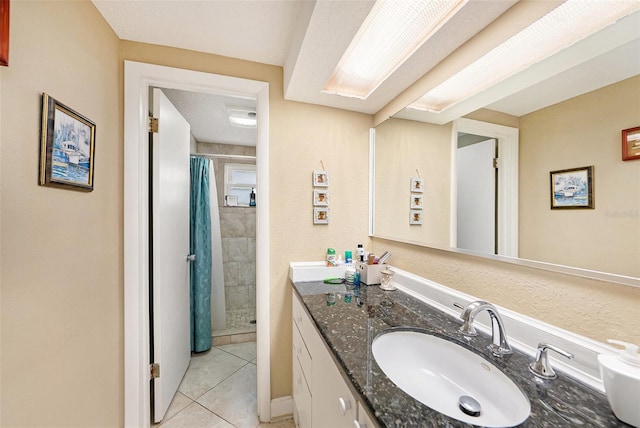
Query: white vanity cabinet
pixel 321 397
pixel 363 421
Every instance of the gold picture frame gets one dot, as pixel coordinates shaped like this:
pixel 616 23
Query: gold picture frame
pixel 4 32
pixel 67 147
pixel 572 188
pixel 631 143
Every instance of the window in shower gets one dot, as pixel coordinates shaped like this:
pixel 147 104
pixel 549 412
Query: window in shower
pixel 239 180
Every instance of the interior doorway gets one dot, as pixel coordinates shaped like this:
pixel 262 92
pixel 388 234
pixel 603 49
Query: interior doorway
pixel 506 184
pixel 139 78
pixel 223 131
pixel 477 193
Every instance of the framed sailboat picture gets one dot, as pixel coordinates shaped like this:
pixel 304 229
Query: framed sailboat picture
pixel 572 188
pixel 67 147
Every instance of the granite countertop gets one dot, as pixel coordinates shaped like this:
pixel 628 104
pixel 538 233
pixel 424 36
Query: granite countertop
pixel 349 328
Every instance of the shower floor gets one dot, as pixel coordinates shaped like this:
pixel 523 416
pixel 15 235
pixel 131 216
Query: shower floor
pixel 238 322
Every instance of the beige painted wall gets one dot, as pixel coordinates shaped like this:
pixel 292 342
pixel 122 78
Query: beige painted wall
pixel 301 136
pixel 402 147
pixel 583 131
pixel 61 258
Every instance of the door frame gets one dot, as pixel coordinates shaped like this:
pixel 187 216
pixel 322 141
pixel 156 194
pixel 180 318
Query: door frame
pixel 507 209
pixel 138 78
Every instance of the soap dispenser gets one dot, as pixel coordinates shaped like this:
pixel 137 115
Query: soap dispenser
pixel 621 377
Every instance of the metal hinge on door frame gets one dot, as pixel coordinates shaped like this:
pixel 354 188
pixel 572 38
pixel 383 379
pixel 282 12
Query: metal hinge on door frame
pixel 496 162
pixel 153 124
pixel 154 370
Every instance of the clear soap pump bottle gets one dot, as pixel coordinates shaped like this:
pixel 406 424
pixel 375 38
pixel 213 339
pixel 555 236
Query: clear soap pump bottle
pixel 252 198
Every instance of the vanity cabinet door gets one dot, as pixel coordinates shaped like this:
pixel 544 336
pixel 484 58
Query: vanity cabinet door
pixel 363 421
pixel 320 394
pixel 332 402
pixel 301 397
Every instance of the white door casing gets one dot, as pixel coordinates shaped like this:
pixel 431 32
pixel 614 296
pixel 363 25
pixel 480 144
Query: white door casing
pixel 171 289
pixel 138 78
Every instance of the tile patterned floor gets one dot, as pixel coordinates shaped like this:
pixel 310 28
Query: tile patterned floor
pixel 219 391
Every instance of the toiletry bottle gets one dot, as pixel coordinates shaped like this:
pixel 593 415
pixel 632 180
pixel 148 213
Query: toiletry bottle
pixel 252 198
pixel 348 257
pixel 360 253
pixel 331 257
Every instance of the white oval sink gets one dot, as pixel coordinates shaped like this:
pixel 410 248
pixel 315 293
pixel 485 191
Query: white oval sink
pixel 438 373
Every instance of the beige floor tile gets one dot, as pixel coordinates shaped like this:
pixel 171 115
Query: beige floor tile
pixel 179 402
pixel 207 370
pixel 195 416
pixel 235 398
pixel 246 351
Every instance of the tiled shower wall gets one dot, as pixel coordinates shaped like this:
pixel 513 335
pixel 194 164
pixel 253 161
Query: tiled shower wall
pixel 238 227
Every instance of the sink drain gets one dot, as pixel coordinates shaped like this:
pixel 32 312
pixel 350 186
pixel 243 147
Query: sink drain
pixel 469 405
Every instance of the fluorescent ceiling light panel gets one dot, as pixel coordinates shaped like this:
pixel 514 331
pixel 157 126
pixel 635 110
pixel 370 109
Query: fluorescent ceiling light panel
pixel 569 23
pixel 244 117
pixel 390 34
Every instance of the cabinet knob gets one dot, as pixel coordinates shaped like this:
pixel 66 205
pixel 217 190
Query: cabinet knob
pixel 344 405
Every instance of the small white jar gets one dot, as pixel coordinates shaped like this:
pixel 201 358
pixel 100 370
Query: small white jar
pixel 621 377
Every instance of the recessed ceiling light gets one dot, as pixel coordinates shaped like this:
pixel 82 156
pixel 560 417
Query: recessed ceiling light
pixel 567 24
pixel 390 34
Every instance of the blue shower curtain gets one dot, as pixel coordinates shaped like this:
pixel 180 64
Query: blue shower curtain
pixel 200 244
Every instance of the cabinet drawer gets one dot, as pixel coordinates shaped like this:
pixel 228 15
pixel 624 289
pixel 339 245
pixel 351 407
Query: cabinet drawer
pixel 301 397
pixel 301 319
pixel 301 353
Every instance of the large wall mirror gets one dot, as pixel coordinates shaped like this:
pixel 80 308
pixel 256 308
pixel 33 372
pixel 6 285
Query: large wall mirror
pixel 570 118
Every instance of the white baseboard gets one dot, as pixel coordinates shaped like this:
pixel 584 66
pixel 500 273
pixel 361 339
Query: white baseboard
pixel 281 408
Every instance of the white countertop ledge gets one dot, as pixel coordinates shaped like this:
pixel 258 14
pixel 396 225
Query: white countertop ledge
pixel 314 271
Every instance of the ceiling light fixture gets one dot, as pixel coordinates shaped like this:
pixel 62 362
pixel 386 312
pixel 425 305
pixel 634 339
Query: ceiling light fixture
pixel 390 34
pixel 567 24
pixel 244 117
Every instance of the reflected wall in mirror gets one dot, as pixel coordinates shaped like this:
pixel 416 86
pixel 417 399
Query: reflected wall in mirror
pixel 578 132
pixel 584 130
pixel 403 149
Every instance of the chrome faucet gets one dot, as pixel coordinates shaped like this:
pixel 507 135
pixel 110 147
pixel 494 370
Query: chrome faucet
pixel 499 346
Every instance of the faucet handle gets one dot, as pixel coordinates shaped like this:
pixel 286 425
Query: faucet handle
pixel 541 366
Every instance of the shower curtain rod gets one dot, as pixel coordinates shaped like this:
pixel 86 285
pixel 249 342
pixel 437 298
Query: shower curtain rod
pixel 209 155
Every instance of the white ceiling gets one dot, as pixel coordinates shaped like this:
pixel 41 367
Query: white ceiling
pixel 307 38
